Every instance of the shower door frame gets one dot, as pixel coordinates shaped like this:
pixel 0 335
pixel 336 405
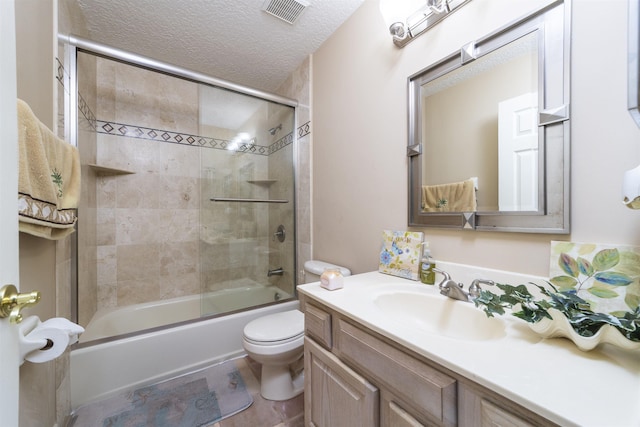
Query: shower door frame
pixel 74 45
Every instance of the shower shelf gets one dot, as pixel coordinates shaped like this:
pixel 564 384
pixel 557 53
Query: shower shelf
pixel 104 170
pixel 233 199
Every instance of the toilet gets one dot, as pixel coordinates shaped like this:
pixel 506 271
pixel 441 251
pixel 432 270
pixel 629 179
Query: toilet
pixel 276 341
pixel 313 270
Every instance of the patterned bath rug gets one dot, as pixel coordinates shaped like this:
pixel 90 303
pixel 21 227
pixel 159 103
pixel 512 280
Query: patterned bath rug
pixel 196 399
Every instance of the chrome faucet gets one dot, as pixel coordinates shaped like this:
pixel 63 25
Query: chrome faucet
pixel 450 288
pixel 275 272
pixel 474 289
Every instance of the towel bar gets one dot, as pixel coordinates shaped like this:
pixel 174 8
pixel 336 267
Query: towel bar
pixel 232 199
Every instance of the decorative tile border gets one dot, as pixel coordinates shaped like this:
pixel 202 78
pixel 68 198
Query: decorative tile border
pixel 141 132
pixel 304 130
pixel 84 108
pixel 60 72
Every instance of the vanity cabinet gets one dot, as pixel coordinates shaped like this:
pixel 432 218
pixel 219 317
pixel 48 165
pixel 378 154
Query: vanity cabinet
pixel 335 394
pixel 357 377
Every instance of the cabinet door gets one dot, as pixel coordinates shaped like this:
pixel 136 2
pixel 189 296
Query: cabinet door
pixel 398 417
pixel 429 394
pixel 480 408
pixel 334 395
pixel 495 416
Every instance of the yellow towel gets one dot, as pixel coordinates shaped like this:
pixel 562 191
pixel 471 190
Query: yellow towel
pixel 454 197
pixel 48 181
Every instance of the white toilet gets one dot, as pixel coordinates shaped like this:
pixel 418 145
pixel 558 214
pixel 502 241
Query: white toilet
pixel 276 341
pixel 313 270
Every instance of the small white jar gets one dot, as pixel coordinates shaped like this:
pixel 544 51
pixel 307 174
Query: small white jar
pixel 331 279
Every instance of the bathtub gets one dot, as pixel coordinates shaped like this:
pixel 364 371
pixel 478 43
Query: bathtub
pixel 100 370
pixel 137 317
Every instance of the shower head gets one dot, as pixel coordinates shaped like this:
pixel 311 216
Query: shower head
pixel 273 130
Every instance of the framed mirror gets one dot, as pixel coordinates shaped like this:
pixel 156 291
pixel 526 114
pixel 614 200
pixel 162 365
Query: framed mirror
pixel 489 131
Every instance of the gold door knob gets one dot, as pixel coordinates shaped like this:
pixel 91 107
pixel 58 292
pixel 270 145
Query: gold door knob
pixel 12 302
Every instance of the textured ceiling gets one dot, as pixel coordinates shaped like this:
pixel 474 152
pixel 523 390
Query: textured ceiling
pixel 229 39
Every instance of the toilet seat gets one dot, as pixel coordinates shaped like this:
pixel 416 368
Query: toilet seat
pixel 275 329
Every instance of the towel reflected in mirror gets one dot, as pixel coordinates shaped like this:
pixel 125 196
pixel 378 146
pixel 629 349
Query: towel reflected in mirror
pixel 453 197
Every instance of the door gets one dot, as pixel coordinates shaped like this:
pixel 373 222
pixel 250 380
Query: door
pixel 518 153
pixel 9 271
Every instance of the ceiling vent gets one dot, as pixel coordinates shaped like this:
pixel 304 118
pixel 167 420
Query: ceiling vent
pixel 287 10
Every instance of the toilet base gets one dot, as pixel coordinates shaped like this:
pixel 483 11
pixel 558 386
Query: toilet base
pixel 276 383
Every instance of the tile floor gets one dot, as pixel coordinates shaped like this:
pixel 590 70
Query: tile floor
pixel 264 413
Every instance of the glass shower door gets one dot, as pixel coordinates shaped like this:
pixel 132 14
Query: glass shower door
pixel 247 250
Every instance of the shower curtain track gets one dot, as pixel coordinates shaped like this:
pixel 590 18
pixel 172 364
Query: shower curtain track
pixel 152 64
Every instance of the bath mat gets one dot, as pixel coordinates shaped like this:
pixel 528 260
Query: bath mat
pixel 196 399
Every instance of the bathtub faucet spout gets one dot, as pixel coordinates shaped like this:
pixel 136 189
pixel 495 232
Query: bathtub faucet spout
pixel 275 272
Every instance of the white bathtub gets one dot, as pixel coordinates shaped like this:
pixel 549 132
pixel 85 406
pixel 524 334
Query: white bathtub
pixel 137 317
pixel 101 370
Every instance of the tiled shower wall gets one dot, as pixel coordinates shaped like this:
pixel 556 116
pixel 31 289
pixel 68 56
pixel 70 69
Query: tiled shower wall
pixel 148 219
pixel 298 86
pixel 148 242
pixel 237 238
pixel 87 210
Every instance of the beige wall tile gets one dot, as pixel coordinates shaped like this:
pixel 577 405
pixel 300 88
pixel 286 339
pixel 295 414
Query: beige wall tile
pixel 138 291
pixel 108 295
pixel 138 262
pixel 137 226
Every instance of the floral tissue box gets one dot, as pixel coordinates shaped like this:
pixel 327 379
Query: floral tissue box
pixel 400 253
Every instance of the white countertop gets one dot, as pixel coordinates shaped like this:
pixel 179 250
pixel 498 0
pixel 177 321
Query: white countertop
pixel 551 377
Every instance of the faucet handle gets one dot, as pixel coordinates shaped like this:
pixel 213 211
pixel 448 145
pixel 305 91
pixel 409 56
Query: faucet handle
pixel 446 275
pixel 474 288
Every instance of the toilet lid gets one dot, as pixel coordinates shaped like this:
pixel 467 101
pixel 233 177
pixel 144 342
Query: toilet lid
pixel 276 327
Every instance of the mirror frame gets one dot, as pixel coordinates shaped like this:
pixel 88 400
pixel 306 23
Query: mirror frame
pixel 553 23
pixel 633 60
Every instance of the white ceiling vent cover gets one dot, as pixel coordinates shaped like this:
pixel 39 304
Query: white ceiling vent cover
pixel 287 10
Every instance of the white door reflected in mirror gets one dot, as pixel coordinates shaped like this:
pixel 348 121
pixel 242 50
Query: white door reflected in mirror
pixel 518 153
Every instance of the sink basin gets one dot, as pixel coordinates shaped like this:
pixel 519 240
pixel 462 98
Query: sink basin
pixel 440 315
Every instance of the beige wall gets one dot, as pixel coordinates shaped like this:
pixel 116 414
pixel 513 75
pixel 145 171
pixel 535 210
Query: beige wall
pixel 35 55
pixel 360 133
pixel 44 265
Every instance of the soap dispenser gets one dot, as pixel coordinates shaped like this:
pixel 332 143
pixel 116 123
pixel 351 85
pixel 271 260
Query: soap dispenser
pixel 426 273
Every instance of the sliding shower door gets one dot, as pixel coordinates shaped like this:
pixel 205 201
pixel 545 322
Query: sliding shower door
pixel 187 207
pixel 247 250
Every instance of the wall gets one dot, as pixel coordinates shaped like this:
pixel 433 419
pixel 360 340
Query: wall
pixel 360 133
pixel 298 87
pixel 35 26
pixel 44 265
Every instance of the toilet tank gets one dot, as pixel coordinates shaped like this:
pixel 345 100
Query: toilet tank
pixel 314 268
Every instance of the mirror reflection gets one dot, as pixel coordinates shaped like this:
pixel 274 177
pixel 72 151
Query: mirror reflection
pixel 480 133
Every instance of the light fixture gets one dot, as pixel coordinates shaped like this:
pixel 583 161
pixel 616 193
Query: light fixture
pixel 395 13
pixel 407 19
